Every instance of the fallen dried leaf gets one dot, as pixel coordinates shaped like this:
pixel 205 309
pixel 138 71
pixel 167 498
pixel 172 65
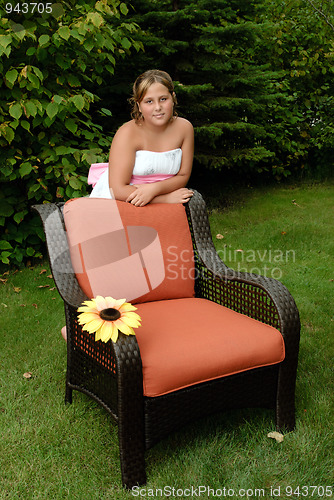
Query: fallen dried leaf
pixel 276 435
pixel 22 305
pixel 53 288
pixel 43 271
pixel 50 276
pixel 17 289
pixel 239 250
pixel 283 232
pixel 43 286
pixel 3 280
pixel 35 306
pixel 219 236
pixel 4 305
pixel 27 375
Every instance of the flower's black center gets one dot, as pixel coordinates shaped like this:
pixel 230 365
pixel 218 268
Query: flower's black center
pixel 110 314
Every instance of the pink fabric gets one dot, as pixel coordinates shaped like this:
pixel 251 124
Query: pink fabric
pixel 146 179
pixel 95 172
pixel 97 169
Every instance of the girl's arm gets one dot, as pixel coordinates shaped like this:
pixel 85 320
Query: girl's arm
pixel 121 162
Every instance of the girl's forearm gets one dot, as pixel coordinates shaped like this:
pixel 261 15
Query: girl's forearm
pixel 169 185
pixel 161 198
pixel 122 192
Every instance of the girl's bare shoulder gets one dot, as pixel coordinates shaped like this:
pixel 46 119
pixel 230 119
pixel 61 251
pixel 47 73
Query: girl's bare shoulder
pixel 184 128
pixel 128 132
pixel 127 128
pixel 183 124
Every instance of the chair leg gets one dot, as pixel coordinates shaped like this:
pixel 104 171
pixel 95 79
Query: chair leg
pixel 131 426
pixel 68 395
pixel 285 414
pixel 132 451
pixel 285 404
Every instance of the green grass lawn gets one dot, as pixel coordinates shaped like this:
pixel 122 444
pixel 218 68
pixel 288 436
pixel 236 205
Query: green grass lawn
pixel 50 450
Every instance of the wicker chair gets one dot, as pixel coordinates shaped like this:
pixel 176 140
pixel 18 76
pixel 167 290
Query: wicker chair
pixel 112 373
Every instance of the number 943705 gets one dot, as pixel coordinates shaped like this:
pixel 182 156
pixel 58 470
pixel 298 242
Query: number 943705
pixel 29 8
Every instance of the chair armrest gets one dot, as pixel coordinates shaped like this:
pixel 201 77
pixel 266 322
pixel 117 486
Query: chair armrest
pixel 59 254
pixel 261 298
pixel 111 373
pixel 128 368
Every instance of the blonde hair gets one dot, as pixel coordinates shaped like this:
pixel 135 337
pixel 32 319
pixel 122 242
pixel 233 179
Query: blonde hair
pixel 141 86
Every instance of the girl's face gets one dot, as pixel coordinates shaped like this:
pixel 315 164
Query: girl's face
pixel 157 105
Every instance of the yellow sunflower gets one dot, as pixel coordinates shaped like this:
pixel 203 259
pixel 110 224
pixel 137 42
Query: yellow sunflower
pixel 104 316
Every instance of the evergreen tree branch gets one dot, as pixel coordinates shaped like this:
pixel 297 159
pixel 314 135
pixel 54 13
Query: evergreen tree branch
pixel 321 13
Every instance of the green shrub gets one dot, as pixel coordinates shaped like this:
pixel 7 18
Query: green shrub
pixel 52 64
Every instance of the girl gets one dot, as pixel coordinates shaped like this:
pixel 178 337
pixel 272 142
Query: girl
pixel 151 156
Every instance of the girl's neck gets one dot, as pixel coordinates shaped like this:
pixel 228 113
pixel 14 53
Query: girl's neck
pixel 154 138
pixel 154 130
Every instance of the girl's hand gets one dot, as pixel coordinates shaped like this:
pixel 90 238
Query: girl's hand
pixel 181 195
pixel 142 195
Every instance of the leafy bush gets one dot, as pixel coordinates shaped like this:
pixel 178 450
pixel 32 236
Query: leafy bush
pixel 52 64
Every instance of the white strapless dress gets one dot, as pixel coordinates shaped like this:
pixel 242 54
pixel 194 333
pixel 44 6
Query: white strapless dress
pixel 150 166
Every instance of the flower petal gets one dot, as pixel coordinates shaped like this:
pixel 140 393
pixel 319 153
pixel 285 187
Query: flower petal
pixel 100 303
pixel 93 326
pixel 110 302
pixel 98 334
pixel 114 335
pixel 127 307
pixel 133 320
pixel 119 303
pixel 90 303
pixel 106 331
pixel 127 330
pixel 131 314
pixel 86 317
pixel 86 309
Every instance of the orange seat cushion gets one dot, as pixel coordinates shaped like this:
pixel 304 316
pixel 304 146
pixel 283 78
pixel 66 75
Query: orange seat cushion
pixel 187 341
pixel 137 253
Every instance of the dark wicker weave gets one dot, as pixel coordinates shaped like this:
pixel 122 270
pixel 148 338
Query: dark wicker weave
pixel 112 373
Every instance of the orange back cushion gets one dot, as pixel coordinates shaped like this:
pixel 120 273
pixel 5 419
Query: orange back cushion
pixel 137 253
